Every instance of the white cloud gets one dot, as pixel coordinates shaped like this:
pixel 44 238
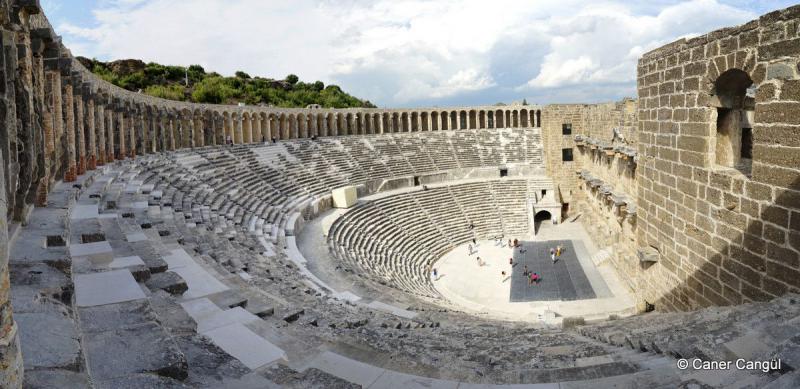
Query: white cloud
pixel 406 52
pixel 601 43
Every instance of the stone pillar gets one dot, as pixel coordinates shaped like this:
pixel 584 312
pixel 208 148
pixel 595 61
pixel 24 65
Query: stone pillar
pixel 100 117
pixel 10 351
pixel 248 130
pixel 121 128
pixel 199 133
pixel 80 126
pixel 171 133
pixel 130 125
pixel 110 134
pixel 91 151
pixel 71 171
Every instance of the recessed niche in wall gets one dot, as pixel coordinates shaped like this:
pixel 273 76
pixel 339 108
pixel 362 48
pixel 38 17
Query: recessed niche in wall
pixel 735 106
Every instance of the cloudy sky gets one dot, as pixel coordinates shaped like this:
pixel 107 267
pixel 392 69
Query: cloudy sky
pixel 405 53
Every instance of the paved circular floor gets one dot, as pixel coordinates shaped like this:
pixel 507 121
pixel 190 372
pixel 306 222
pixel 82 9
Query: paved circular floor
pixel 484 290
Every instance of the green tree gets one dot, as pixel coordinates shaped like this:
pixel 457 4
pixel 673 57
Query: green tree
pixel 292 79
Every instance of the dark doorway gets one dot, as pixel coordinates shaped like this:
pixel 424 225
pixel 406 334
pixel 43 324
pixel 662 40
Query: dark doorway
pixel 503 172
pixel 416 180
pixel 542 218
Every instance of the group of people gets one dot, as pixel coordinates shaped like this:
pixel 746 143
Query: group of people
pixel 532 277
pixel 555 252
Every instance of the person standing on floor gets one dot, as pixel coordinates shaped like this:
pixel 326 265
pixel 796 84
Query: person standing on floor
pixel 553 255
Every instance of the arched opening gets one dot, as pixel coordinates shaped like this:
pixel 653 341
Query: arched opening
pixel 541 219
pixel 463 120
pixel 735 104
pixel 473 120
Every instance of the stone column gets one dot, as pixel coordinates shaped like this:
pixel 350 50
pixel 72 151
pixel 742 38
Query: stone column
pixel 130 125
pixel 10 351
pixel 248 130
pixel 79 131
pixel 199 132
pixel 71 172
pixel 120 120
pixel 171 128
pixel 91 152
pixel 100 116
pixel 110 155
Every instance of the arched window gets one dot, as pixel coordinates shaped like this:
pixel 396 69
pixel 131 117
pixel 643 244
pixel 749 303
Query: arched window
pixel 735 107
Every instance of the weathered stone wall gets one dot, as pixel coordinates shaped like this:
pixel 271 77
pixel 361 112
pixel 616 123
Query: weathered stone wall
pixel 562 172
pixel 606 196
pixel 725 235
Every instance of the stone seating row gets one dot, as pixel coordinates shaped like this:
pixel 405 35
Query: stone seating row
pixel 394 240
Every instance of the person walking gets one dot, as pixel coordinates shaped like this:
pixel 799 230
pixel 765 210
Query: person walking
pixel 553 255
pixel 525 271
pixel 511 261
pixel 469 247
pixel 480 263
pixel 435 274
pixel 503 274
pixel 535 278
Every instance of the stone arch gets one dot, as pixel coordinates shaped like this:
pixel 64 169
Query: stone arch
pixel 490 119
pixel 463 118
pixel 404 125
pixel 542 217
pixel 499 121
pixel 434 117
pixel 423 117
pixel 414 121
pixel 735 110
pixel 349 128
pixel 523 118
pixel 377 121
pixel 453 120
pixel 443 117
pixel 538 118
pixel 247 127
pixel 481 119
pixel 340 124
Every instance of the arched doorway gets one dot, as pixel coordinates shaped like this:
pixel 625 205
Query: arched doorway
pixel 540 219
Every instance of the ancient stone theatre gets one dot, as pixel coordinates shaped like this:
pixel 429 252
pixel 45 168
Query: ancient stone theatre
pixel 649 242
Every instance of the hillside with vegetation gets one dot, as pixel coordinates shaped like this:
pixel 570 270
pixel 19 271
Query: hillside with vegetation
pixel 194 84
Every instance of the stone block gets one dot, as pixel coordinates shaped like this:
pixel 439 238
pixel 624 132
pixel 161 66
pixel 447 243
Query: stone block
pixel 785 48
pixel 114 316
pixel 168 281
pixel 778 112
pixel 106 288
pixel 246 346
pixel 100 253
pixel 144 348
pixel 49 340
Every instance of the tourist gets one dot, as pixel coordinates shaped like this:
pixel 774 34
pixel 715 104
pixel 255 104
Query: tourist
pixel 479 262
pixel 469 247
pixel 535 278
pixel 516 243
pixel 525 271
pixel 474 242
pixel 435 274
pixel 553 255
pixel 471 226
pixel 503 274
pixel 511 261
pixel 509 243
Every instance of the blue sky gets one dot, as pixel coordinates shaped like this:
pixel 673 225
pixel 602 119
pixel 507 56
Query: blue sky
pixel 405 53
